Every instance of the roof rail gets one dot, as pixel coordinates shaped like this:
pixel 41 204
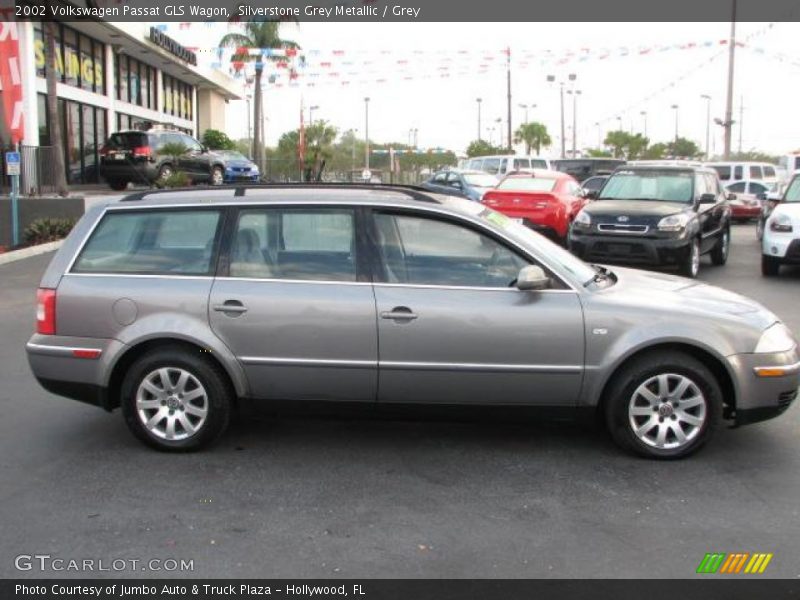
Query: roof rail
pixel 412 191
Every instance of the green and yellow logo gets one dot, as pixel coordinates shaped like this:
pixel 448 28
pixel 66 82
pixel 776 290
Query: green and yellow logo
pixel 735 563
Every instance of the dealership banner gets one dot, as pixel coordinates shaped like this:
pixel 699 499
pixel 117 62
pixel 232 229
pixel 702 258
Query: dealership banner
pixel 11 80
pixel 407 10
pixel 400 589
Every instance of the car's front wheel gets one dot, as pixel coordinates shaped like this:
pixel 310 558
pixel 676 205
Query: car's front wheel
pixel 663 405
pixel 217 176
pixel 690 266
pixel 769 266
pixel 760 229
pixel 176 400
pixel 117 184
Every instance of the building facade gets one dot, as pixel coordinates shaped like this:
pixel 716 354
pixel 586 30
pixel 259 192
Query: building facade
pixel 114 76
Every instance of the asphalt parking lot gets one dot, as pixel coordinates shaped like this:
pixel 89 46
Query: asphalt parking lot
pixel 314 497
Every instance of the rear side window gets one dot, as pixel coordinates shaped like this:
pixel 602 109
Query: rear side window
pixel 538 164
pixel 127 141
pixel 151 243
pixel 522 163
pixel 769 171
pixel 755 172
pixel 737 172
pixel 724 172
pixel 316 244
pixel 491 165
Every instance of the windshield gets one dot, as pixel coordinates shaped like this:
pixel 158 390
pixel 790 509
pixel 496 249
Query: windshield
pixel 540 245
pixel 527 184
pixel 793 192
pixel 233 155
pixel 480 179
pixel 651 184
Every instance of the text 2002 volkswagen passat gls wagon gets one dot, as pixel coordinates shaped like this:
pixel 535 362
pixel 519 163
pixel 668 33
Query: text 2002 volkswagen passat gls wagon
pixel 173 305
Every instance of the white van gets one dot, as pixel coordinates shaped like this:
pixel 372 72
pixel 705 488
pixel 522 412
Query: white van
pixel 730 172
pixel 503 164
pixel 789 164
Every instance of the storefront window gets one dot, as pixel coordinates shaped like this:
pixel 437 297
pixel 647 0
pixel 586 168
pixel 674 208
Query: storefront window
pixel 71 61
pixel 79 58
pixel 86 63
pixel 122 78
pixel 178 98
pixel 44 121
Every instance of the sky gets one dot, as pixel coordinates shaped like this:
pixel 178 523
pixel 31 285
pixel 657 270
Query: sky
pixel 444 110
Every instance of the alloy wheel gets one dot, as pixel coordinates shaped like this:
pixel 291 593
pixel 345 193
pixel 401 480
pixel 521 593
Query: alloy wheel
pixel 171 403
pixel 667 411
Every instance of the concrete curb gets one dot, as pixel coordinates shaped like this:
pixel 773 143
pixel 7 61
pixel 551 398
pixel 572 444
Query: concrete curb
pixel 15 255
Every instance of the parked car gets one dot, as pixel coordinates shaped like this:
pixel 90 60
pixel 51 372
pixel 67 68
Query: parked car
pixel 781 238
pixel 173 304
pixel 594 184
pixel 136 156
pixel 584 168
pixel 545 201
pixel 656 216
pixel 467 184
pixel 237 166
pixel 505 163
pixel 733 171
pixel 745 199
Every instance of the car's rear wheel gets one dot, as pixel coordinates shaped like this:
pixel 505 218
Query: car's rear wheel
pixel 176 400
pixel 117 184
pixel 759 229
pixel 663 405
pixel 719 255
pixel 691 264
pixel 217 176
pixel 165 172
pixel 770 266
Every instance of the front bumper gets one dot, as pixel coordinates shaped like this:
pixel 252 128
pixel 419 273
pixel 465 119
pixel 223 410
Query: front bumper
pixel 628 249
pixel 767 384
pixel 240 176
pixel 781 246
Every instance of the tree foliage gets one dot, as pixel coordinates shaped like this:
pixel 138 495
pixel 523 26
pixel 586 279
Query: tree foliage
pixel 683 148
pixel 214 139
pixel 533 135
pixel 483 148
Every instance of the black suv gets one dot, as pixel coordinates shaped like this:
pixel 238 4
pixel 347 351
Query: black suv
pixel 135 156
pixel 655 215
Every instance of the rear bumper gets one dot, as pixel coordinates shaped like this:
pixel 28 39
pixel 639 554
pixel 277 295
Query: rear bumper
pixel 76 368
pixel 629 249
pixel 126 171
pixel 745 212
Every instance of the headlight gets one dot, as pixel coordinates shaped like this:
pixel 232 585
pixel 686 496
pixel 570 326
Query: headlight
pixel 674 222
pixel 781 223
pixel 582 220
pixel 254 169
pixel 777 338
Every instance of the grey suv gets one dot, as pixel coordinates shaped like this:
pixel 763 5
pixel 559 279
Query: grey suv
pixel 174 305
pixel 138 157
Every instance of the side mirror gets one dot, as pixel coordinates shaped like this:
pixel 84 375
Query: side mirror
pixel 708 199
pixel 762 196
pixel 532 278
pixel 203 149
pixel 730 196
pixel 591 194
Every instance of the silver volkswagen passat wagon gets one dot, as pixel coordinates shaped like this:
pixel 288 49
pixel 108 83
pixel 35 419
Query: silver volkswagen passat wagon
pixel 174 305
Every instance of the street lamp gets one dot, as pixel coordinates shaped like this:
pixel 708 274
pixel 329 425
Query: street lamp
pixel 499 120
pixel 707 98
pixel 479 100
pixel 551 79
pixel 526 107
pixel 353 133
pixel 599 134
pixel 619 123
pixel 644 118
pixel 675 108
pixel 575 94
pixel 311 110
pixel 366 133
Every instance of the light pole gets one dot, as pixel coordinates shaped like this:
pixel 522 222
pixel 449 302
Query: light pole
pixel 619 123
pixel 675 107
pixel 311 110
pixel 526 107
pixel 499 121
pixel 727 124
pixel 644 118
pixel 366 133
pixel 491 135
pixel 575 93
pixel 249 128
pixel 707 98
pixel 599 134
pixel 416 131
pixel 551 79
pixel 353 133
pixel 479 100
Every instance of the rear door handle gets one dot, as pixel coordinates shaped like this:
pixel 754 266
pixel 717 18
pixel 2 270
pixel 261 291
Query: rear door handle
pixel 230 306
pixel 399 313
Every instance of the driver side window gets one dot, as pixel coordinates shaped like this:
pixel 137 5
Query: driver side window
pixel 425 251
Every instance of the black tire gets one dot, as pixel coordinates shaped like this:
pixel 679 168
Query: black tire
pixel 719 255
pixel 165 172
pixel 770 266
pixel 217 176
pixel 117 184
pixel 632 375
pixel 760 229
pixel 218 398
pixel 690 267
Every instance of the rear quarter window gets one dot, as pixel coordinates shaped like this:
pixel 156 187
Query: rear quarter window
pixel 151 243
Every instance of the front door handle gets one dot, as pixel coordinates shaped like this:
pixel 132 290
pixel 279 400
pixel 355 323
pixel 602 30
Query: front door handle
pixel 230 306
pixel 399 313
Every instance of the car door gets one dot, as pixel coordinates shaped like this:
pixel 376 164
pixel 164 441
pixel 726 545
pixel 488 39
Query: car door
pixel 452 329
pixel 294 305
pixel 711 214
pixel 195 159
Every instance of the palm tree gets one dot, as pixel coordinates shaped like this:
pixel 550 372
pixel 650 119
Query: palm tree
pixel 257 34
pixel 56 136
pixel 534 135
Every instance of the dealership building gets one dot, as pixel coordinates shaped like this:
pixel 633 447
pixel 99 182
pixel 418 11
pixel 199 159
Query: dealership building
pixel 113 76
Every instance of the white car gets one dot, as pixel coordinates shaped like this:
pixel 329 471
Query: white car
pixel 780 244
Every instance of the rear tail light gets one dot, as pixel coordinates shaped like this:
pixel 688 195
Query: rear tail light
pixel 141 152
pixel 46 311
pixel 104 150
